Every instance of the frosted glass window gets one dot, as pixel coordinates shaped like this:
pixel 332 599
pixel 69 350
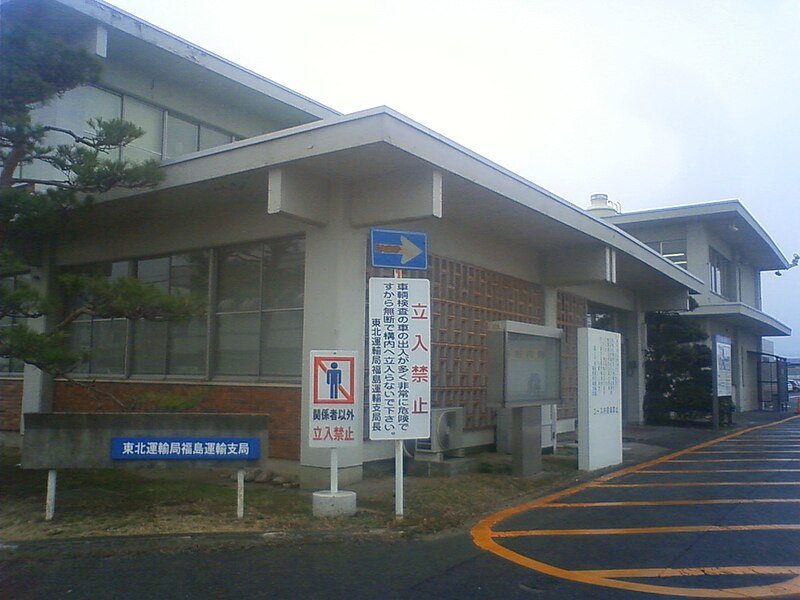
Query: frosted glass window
pixel 181 137
pixel 238 344
pixel 281 343
pixel 100 103
pixel 150 119
pixel 211 138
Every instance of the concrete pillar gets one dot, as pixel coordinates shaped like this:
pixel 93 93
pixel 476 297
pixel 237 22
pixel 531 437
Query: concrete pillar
pixel 37 388
pixel 633 371
pixel 335 305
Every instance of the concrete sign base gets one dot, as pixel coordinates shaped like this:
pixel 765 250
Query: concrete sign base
pixel 326 503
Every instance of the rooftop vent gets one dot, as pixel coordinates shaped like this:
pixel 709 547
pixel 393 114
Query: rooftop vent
pixel 601 206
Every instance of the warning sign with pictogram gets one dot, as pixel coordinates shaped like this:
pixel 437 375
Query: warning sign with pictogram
pixel 334 419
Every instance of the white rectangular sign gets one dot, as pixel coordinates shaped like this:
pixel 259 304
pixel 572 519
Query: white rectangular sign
pixel 399 332
pixel 599 399
pixel 334 411
pixel 724 366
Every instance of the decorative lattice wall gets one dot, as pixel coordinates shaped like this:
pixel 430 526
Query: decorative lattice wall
pixel 465 299
pixel 571 315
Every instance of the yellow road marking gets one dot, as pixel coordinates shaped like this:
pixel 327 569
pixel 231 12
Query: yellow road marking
pixel 747 452
pixel 712 460
pixel 693 572
pixel 694 484
pixel 645 530
pixel 484 536
pixel 674 471
pixel 670 502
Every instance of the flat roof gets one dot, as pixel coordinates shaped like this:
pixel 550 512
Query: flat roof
pixel 730 219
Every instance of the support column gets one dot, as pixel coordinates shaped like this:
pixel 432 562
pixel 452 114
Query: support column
pixel 335 307
pixel 37 388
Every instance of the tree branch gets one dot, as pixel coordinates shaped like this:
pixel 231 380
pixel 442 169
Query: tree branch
pixel 93 389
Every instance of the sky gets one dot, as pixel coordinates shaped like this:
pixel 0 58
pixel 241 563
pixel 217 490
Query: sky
pixel 655 103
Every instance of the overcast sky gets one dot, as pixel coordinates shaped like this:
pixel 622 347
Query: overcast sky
pixel 655 103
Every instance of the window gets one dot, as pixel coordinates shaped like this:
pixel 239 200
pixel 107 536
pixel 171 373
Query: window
pixel 179 347
pixel 720 274
pixel 257 316
pixel 105 339
pixel 674 250
pixel 166 134
pixel 259 309
pixel 150 119
pixel 9 284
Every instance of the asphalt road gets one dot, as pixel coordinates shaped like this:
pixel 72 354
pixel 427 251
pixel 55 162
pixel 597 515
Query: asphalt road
pixel 720 520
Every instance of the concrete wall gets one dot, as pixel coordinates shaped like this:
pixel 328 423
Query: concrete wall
pixel 83 441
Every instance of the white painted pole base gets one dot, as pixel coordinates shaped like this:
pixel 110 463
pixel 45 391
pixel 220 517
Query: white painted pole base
pixel 240 493
pixel 50 502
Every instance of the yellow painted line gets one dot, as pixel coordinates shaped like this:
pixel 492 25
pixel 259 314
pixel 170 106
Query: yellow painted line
pixel 674 471
pixel 483 536
pixel 645 530
pixel 693 484
pixel 694 572
pixel 747 452
pixel 612 503
pixel 711 460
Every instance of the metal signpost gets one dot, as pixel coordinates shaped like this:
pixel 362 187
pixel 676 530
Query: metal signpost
pixel 333 415
pixel 399 331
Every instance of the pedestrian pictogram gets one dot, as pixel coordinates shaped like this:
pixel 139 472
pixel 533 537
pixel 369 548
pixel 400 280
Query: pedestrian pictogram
pixel 334 416
pixel 334 380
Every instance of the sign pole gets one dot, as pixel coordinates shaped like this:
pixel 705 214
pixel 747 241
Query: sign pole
pixel 398 479
pixel 398 458
pixel 334 470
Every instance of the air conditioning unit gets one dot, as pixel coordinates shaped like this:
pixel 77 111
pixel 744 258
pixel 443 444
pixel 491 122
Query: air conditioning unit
pixel 447 434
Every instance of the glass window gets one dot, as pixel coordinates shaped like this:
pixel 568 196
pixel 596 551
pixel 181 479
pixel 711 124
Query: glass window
pixel 281 343
pixel 720 274
pixel 154 271
pixel 9 284
pixel 176 347
pixel 182 137
pixel 187 347
pixel 211 138
pixel 108 346
pixel 674 250
pixel 188 274
pixel 238 344
pixel 149 118
pixel 149 347
pixel 258 316
pixel 284 273
pixel 239 278
pixel 100 103
pixel 105 340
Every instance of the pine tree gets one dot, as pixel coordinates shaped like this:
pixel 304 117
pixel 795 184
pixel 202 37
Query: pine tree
pixel 36 69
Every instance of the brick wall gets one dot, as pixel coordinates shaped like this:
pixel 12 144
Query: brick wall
pixel 10 404
pixel 282 404
pixel 571 316
pixel 465 299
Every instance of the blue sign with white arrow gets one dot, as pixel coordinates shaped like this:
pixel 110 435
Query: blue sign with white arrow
pixel 399 249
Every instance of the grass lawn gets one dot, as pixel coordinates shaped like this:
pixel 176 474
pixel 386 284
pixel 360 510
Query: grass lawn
pixel 114 502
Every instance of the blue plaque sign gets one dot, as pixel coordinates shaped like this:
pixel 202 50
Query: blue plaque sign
pixel 185 448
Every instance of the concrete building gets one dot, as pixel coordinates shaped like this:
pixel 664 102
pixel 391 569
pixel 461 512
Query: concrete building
pixel 266 210
pixel 722 244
